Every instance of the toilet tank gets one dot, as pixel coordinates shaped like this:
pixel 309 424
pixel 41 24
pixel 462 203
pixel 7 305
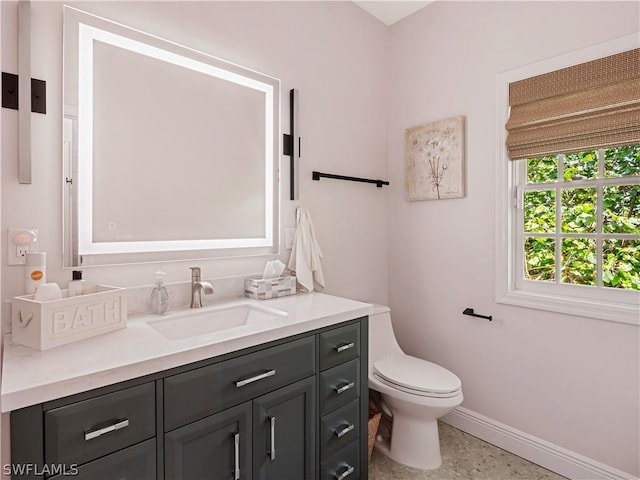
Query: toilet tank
pixel 382 340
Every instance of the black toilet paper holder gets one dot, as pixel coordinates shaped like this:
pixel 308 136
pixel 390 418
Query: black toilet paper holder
pixel 469 311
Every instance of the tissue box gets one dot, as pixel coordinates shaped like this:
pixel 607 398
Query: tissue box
pixel 264 288
pixel 44 325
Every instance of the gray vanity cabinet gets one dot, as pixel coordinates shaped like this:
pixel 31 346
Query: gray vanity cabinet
pixel 292 409
pixel 343 398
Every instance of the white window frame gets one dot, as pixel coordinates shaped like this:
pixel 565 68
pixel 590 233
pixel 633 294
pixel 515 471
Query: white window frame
pixel 608 304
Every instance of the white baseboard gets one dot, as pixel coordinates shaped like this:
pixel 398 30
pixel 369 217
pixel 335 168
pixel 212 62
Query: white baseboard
pixel 552 457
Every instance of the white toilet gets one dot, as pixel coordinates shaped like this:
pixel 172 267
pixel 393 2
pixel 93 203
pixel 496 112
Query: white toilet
pixel 414 392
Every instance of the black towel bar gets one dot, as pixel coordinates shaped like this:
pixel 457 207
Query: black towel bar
pixel 318 175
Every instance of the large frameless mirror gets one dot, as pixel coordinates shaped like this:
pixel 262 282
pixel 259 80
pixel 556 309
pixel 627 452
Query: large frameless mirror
pixel 169 153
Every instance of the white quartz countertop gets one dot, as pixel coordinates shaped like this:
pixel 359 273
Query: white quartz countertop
pixel 31 376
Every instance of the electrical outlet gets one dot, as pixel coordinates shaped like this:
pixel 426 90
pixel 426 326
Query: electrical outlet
pixel 21 241
pixel 22 250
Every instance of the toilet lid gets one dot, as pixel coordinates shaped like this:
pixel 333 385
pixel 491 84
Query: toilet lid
pixel 417 374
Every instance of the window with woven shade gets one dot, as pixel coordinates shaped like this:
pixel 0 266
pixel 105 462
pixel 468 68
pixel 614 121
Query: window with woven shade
pixel 571 240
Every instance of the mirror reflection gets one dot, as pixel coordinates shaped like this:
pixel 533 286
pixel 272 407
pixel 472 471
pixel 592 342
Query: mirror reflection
pixel 167 150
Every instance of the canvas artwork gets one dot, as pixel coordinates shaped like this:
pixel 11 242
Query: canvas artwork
pixel 434 160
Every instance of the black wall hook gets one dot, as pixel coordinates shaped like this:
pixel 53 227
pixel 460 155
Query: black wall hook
pixel 469 311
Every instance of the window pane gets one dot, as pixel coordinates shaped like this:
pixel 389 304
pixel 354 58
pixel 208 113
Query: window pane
pixel 539 259
pixel 621 204
pixel 539 211
pixel 580 166
pixel 579 261
pixel 621 264
pixel 622 161
pixel 543 169
pixel 579 210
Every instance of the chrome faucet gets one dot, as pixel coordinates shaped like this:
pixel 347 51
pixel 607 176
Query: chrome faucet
pixel 198 288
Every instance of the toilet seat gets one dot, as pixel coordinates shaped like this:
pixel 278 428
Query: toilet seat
pixel 417 376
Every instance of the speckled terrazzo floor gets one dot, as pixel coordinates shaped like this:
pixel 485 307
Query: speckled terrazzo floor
pixel 464 457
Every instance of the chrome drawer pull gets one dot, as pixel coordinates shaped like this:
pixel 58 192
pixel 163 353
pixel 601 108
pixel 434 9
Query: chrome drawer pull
pixel 236 456
pixel 349 470
pixel 345 387
pixel 272 451
pixel 346 346
pixel 120 424
pixel 246 381
pixel 344 431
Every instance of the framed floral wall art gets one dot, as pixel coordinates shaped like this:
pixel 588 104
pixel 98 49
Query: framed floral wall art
pixel 434 160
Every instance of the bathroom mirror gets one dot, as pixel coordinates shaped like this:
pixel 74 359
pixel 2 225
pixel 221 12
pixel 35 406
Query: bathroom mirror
pixel 168 153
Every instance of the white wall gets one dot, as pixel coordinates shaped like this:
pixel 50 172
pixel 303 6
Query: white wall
pixel 568 380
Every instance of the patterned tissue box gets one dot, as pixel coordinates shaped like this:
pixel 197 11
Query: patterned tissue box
pixel 264 288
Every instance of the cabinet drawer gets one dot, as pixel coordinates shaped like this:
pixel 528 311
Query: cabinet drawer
pixel 340 428
pixel 339 345
pixel 339 386
pixel 198 393
pixel 344 465
pixel 132 463
pixel 92 428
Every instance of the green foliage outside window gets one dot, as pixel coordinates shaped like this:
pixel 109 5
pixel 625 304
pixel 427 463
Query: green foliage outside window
pixel 622 161
pixel 540 259
pixel 540 216
pixel 578 212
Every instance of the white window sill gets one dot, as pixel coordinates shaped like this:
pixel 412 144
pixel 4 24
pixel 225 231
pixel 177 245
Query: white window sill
pixel 600 309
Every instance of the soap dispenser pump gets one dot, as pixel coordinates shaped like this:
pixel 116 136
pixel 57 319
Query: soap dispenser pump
pixel 159 296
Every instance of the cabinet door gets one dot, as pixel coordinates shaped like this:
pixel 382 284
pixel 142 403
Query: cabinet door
pixel 284 433
pixel 217 447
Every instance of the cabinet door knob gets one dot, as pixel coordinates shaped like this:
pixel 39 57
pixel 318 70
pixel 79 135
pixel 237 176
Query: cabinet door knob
pixel 349 470
pixel 118 425
pixel 344 431
pixel 344 346
pixel 272 451
pixel 345 387
pixel 246 381
pixel 236 456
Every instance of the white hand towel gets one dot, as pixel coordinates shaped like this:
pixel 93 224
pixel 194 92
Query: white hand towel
pixel 306 253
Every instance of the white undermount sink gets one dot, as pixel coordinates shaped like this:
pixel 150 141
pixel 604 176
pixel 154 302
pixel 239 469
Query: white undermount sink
pixel 210 320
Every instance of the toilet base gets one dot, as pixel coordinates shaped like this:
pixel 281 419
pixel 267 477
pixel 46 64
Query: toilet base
pixel 414 443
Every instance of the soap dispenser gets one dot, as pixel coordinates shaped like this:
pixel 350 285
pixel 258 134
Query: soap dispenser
pixel 159 296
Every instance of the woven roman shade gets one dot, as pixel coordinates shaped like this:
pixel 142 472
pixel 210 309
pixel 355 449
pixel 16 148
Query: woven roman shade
pixel 584 107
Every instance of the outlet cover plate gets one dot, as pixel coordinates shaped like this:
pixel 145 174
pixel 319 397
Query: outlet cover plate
pixel 289 235
pixel 19 242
